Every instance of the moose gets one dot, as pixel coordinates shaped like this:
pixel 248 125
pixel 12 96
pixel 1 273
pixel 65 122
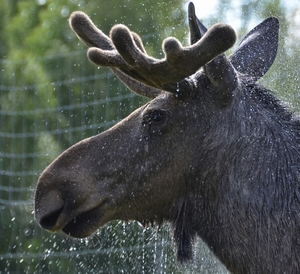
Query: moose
pixel 213 153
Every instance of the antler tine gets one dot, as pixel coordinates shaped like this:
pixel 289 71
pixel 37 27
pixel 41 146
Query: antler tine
pixel 87 32
pixel 93 37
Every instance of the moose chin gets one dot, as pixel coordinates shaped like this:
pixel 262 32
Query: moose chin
pixel 213 152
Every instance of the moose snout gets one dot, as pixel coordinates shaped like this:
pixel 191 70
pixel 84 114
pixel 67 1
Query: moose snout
pixel 48 210
pixel 67 205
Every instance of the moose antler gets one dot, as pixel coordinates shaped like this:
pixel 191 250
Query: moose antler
pixel 124 51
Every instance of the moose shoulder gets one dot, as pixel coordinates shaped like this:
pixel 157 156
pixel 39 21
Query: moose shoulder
pixel 213 153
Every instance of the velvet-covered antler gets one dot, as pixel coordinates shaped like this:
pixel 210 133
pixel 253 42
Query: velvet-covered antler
pixel 220 71
pixel 124 51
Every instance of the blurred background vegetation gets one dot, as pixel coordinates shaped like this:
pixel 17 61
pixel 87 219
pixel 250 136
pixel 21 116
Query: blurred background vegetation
pixel 51 96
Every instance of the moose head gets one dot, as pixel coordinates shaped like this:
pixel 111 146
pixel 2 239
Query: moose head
pixel 213 153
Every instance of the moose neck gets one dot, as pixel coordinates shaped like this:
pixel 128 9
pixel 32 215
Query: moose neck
pixel 232 188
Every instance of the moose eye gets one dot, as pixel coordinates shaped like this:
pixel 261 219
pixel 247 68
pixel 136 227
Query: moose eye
pixel 155 116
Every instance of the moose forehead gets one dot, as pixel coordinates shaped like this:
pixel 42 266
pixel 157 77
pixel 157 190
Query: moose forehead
pixel 168 106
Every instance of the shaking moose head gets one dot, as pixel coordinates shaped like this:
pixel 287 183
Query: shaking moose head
pixel 213 153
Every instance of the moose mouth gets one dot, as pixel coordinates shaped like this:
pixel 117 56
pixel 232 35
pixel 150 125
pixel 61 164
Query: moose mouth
pixel 84 225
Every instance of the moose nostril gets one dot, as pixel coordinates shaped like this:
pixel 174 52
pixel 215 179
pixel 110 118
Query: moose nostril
pixel 48 208
pixel 49 221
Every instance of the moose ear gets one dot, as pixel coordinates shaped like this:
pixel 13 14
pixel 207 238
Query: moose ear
pixel 197 29
pixel 257 51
